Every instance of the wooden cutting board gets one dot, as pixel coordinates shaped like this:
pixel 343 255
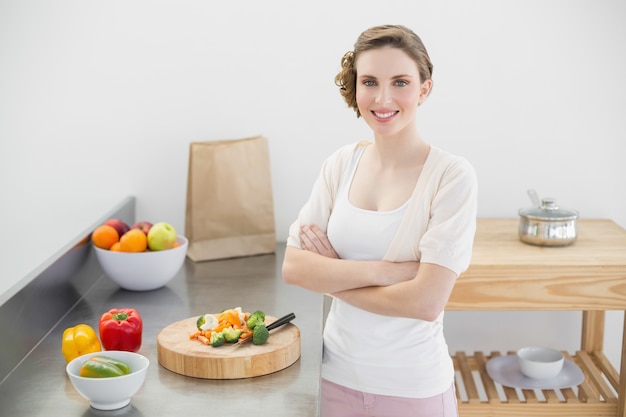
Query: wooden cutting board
pixel 185 356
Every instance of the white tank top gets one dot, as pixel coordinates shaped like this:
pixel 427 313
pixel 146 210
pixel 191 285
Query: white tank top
pixel 370 352
pixel 356 233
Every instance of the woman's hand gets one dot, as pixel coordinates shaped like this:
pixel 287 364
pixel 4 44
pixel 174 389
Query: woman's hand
pixel 314 240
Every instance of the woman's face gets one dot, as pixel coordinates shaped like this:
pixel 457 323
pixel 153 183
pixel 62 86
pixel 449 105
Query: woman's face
pixel 388 90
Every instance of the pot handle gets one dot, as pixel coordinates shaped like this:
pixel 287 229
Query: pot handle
pixel 534 197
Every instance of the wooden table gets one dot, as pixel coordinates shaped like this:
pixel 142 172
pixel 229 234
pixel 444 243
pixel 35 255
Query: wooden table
pixel 588 276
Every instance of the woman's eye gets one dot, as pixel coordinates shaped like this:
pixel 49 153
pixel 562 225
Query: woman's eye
pixel 401 83
pixel 369 83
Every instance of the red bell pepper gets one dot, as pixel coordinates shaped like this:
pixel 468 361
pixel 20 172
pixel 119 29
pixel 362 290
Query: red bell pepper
pixel 121 329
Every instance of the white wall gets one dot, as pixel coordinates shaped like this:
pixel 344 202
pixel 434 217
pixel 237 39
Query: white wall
pixel 99 100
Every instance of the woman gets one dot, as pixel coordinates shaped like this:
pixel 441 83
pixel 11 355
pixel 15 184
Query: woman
pixel 387 230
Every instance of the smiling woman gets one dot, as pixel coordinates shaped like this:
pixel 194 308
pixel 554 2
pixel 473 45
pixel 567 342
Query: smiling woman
pixel 387 229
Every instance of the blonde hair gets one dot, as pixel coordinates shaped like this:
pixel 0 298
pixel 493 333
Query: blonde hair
pixel 395 36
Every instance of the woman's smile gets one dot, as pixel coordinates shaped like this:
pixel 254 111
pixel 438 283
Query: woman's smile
pixel 384 115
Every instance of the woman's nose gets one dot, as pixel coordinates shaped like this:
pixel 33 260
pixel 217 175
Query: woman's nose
pixel 382 96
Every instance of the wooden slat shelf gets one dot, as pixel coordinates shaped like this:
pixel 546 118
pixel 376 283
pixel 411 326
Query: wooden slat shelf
pixel 479 396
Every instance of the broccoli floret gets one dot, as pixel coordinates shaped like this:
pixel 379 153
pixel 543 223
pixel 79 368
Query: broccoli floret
pixel 231 335
pixel 258 317
pixel 260 334
pixel 217 339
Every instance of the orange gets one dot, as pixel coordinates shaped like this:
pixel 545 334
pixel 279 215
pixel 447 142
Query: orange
pixel 115 247
pixel 104 236
pixel 134 241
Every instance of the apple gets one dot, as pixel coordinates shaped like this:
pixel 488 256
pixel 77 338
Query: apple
pixel 143 226
pixel 161 236
pixel 118 225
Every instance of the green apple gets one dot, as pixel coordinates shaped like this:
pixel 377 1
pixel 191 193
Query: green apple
pixel 161 236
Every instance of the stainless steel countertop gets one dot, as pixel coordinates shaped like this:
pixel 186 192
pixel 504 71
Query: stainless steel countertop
pixel 38 386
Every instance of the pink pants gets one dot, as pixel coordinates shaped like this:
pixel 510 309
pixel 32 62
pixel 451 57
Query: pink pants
pixel 339 401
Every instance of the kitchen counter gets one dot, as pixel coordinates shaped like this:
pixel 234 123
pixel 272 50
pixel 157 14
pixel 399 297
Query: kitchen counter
pixel 504 274
pixel 38 385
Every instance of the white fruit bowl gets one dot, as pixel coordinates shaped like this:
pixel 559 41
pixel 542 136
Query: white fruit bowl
pixel 143 271
pixel 114 392
pixel 540 362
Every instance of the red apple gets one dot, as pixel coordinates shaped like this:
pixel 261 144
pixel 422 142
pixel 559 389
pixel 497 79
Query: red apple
pixel 143 226
pixel 118 225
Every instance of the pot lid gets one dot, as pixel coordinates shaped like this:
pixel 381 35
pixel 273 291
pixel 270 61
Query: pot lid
pixel 548 210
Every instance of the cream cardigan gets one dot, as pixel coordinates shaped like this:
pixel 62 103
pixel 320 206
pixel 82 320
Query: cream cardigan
pixel 438 227
pixel 440 220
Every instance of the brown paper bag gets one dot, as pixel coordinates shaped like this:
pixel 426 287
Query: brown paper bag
pixel 230 205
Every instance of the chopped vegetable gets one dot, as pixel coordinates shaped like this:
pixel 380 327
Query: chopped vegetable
pixel 231 334
pixel 121 329
pixel 245 334
pixel 231 325
pixel 258 317
pixel 217 339
pixel 231 316
pixel 242 316
pixel 207 322
pixel 104 367
pixel 79 340
pixel 260 334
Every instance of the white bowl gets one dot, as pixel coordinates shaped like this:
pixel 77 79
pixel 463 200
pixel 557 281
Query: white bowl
pixel 114 392
pixel 143 271
pixel 539 362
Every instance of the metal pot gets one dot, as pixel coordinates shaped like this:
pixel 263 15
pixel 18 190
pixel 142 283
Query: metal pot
pixel 546 224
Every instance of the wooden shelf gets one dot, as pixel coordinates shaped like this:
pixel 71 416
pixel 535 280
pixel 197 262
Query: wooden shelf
pixel 479 396
pixel 505 275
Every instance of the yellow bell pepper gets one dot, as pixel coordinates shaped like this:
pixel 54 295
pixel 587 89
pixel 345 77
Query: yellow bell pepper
pixel 79 340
